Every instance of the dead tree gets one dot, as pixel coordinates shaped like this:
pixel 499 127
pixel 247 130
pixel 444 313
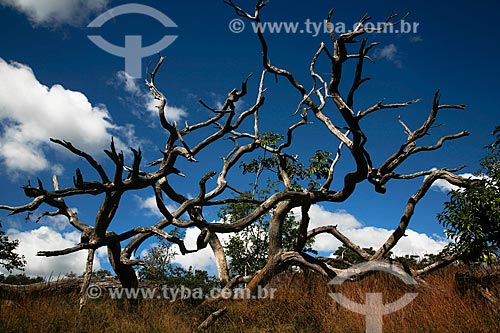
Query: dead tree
pixel 322 94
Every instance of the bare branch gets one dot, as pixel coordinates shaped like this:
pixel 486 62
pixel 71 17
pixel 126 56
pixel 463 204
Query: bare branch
pixel 167 236
pixel 69 250
pixel 212 318
pixel 409 147
pixel 412 202
pixel 341 237
pixel 437 265
pixel 331 171
pixel 381 106
pixel 90 159
pixel 118 159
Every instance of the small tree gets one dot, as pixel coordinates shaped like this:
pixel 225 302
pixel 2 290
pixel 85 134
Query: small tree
pixel 472 215
pixel 248 250
pixel 9 259
pixel 157 263
pixel 158 267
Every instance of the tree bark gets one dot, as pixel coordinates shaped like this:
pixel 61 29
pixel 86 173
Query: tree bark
pixel 125 272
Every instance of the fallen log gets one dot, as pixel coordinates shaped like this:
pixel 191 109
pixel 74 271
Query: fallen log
pixel 57 287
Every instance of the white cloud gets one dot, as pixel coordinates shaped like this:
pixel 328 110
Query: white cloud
pixel 203 259
pixel 145 100
pixel 366 237
pixel 341 218
pixel 413 244
pixel 390 53
pixel 149 205
pixel 46 239
pixel 31 113
pixel 56 12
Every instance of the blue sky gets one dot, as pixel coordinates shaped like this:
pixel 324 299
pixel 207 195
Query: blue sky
pixel 54 82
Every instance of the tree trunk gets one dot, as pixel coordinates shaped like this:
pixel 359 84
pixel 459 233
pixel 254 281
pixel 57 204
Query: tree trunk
pixel 125 273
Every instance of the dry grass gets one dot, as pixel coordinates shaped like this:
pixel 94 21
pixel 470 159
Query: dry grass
pixel 301 304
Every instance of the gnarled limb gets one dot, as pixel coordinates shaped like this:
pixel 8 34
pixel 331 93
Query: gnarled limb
pixel 410 207
pixel 341 237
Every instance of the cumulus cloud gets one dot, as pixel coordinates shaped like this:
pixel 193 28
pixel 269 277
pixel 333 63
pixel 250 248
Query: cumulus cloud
pixel 366 236
pixel 31 113
pixel 44 239
pixel 56 12
pixel 144 99
pixel 414 243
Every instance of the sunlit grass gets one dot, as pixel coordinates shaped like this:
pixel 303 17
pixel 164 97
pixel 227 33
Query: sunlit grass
pixel 301 304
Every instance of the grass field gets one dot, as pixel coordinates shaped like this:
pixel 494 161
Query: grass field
pixel 301 304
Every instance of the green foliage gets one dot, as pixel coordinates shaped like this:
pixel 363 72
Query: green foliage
pixel 248 249
pixel 491 162
pixel 318 169
pixel 271 139
pixel 157 264
pixel 189 278
pixel 472 215
pixel 102 273
pixel 320 164
pixel 19 279
pixel 158 267
pixel 417 262
pixel 8 258
pixel 350 257
pixel 259 164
